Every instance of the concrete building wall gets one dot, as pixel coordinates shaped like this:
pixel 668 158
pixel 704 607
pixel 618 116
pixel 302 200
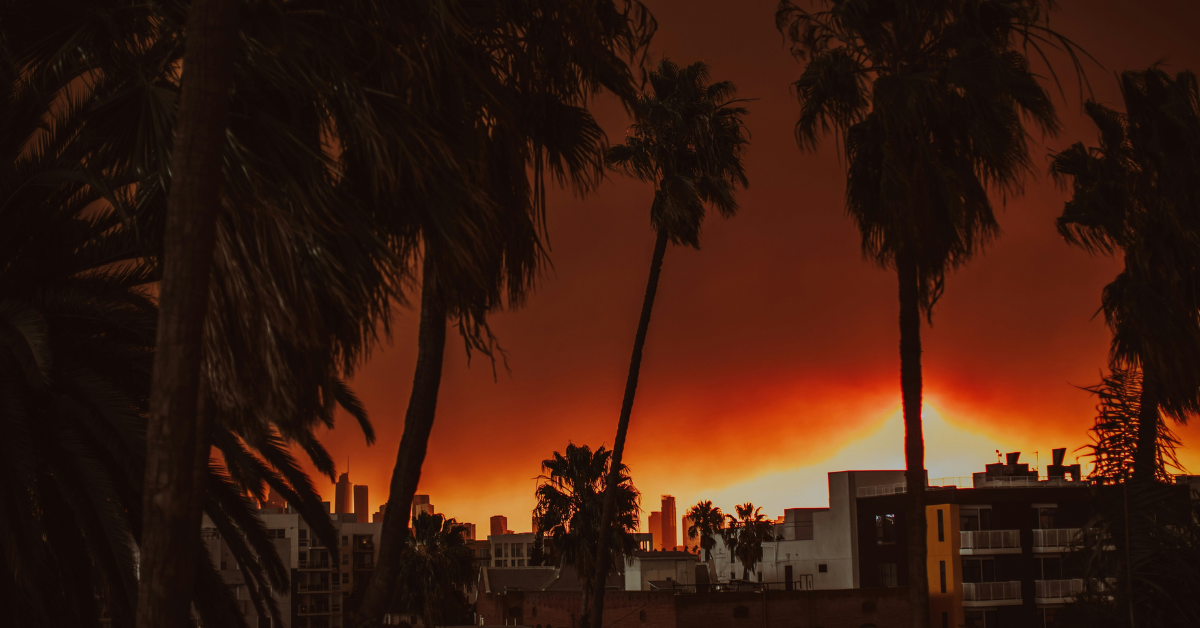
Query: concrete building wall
pixel 833 543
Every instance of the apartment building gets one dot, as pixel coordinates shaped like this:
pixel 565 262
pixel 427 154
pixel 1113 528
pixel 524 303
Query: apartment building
pixel 321 586
pixel 999 543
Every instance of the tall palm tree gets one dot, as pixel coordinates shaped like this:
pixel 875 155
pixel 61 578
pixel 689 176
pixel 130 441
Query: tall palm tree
pixel 78 327
pixel 570 500
pixel 1138 194
pixel 930 99
pixel 745 535
pixel 482 246
pixel 707 523
pixel 688 141
pixel 288 231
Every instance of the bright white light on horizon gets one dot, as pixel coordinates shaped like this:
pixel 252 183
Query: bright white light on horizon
pixel 950 451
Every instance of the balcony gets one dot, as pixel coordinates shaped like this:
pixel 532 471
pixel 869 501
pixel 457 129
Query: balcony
pixel 1056 540
pixel 992 593
pixel 884 489
pixel 990 542
pixel 1052 591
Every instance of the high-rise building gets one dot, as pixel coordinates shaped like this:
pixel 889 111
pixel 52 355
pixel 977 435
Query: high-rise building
pixel 378 517
pixel 361 509
pixel 274 501
pixel 499 524
pixel 421 505
pixel 669 538
pixel 342 495
pixel 470 533
pixel 656 530
pixel 689 540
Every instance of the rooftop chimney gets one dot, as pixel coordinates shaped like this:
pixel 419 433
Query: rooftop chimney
pixel 1012 458
pixel 1059 455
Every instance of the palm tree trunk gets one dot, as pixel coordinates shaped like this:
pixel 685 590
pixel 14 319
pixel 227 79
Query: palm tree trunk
pixel 418 422
pixel 914 442
pixel 1145 458
pixel 610 493
pixel 170 525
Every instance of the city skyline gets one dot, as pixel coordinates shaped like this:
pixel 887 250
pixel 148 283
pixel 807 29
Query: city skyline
pixel 758 355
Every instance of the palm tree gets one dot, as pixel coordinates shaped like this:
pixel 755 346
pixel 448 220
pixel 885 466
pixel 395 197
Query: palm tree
pixel 436 567
pixel 930 100
pixel 1138 194
pixel 688 141
pixel 79 328
pixel 745 535
pixel 286 233
pixel 707 522
pixel 482 246
pixel 570 500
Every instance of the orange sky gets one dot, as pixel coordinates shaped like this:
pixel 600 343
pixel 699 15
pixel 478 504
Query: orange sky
pixel 772 355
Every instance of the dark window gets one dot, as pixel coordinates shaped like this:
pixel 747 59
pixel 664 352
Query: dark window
pixel 945 619
pixel 885 529
pixel 1051 568
pixel 888 575
pixel 788 578
pixel 642 615
pixel 1047 518
pixel 822 568
pixel 759 577
pixel 942 569
pixel 941 527
pixel 741 612
pixel 979 570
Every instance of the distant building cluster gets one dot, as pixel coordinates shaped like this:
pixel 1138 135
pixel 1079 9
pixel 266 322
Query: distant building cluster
pixel 322 591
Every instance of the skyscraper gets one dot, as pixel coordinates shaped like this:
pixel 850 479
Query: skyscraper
pixel 361 509
pixel 421 504
pixel 669 538
pixel 656 530
pixel 342 495
pixel 499 524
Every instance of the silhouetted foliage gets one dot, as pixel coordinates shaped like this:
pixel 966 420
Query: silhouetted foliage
pixel 745 535
pixel 436 567
pixel 707 522
pixel 930 100
pixel 570 498
pixel 1138 194
pixel 688 141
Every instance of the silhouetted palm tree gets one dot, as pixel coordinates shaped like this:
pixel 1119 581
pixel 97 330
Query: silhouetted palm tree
pixel 79 327
pixel 930 99
pixel 570 500
pixel 287 233
pixel 482 245
pixel 745 535
pixel 707 523
pixel 1138 194
pixel 435 568
pixel 688 141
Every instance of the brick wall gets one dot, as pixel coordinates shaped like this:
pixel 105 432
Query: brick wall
pixel 851 608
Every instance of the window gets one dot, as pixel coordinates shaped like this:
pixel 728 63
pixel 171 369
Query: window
pixel 975 519
pixel 885 529
pixel 1051 567
pixel 346 578
pixel 941 527
pixel 759 577
pixel 276 533
pixel 345 541
pixel 732 576
pixel 981 619
pixel 1047 517
pixel 518 550
pixel 887 575
pixel 345 558
pixel 822 568
pixel 804 525
pixel 942 570
pixel 1045 617
pixel 945 616
pixel 979 570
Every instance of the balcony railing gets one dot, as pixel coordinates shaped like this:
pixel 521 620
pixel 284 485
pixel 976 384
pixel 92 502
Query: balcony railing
pixel 991 591
pixel 1056 538
pixel 1055 589
pixel 990 539
pixel 883 489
